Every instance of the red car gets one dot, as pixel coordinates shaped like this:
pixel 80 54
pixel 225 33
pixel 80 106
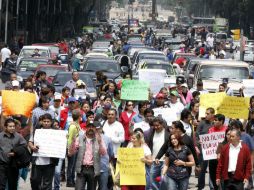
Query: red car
pixel 51 70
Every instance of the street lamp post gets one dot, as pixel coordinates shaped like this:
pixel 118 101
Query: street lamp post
pixel 6 22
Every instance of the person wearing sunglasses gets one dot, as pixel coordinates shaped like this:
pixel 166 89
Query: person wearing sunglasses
pixel 125 118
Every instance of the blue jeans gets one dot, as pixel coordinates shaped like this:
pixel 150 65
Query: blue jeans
pixel 180 184
pixel 154 173
pixel 57 176
pixel 148 183
pixel 103 182
pixel 71 168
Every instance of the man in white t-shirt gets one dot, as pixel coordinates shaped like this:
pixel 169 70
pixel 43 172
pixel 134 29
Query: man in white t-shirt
pixel 114 130
pixel 5 53
pixel 175 104
pixel 155 138
pixel 210 41
pixel 56 107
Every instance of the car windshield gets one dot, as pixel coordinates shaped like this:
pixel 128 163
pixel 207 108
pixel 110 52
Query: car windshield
pixel 97 65
pixel 62 78
pixel 30 65
pixel 168 68
pixel 30 52
pixel 218 72
pixel 153 56
pixel 52 71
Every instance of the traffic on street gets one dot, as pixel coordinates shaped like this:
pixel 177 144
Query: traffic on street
pixel 139 95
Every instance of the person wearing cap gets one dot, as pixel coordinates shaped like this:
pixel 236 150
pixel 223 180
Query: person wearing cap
pixel 56 107
pixel 73 82
pixel 184 94
pixel 90 149
pixel 66 114
pixel 228 90
pixel 160 101
pixel 8 83
pixel 15 85
pixel 175 104
pixel 222 54
pixel 199 87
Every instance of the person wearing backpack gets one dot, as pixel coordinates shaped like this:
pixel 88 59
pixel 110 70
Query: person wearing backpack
pixel 9 139
pixel 178 159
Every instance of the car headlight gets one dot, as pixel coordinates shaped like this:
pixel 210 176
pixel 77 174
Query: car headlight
pixel 20 78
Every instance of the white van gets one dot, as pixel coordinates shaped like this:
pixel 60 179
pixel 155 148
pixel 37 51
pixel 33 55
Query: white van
pixel 28 51
pixel 211 72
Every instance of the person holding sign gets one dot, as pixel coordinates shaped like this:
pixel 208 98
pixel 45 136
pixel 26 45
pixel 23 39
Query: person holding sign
pixel 218 126
pixel 137 141
pixel 234 166
pixel 175 171
pixel 43 168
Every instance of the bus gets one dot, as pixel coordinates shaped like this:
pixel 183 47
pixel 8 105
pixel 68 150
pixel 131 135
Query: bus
pixel 200 22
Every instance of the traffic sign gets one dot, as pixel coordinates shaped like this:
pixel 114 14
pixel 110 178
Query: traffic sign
pixel 236 34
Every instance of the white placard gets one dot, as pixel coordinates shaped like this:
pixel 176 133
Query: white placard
pixel 209 144
pixel 155 77
pixel 80 93
pixel 52 143
pixel 168 114
pixel 248 89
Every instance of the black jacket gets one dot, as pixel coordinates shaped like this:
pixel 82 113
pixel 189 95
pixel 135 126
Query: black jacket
pixel 22 156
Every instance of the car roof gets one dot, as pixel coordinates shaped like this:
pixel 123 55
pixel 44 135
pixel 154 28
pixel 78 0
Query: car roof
pixel 36 47
pixel 225 62
pixel 151 51
pixel 51 65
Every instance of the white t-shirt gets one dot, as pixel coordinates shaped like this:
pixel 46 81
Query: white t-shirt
pixel 5 53
pixel 178 107
pixel 115 132
pixel 158 141
pixel 187 128
pixel 147 151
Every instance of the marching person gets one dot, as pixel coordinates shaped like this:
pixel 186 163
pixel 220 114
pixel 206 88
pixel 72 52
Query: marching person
pixel 234 166
pixel 9 139
pixel 90 149
pixel 43 168
pixel 178 159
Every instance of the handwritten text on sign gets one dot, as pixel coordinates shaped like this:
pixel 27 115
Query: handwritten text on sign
pixel 132 170
pixel 134 90
pixel 52 143
pixel 209 144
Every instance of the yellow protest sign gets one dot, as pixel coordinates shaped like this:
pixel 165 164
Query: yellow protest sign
pixel 132 170
pixel 230 106
pixel 18 103
pixel 212 100
pixel 235 107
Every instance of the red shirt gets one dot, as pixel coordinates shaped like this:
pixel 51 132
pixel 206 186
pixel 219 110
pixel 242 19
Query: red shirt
pixel 216 129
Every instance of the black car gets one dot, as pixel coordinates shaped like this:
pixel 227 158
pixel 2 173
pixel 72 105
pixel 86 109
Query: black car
pixel 62 77
pixel 109 67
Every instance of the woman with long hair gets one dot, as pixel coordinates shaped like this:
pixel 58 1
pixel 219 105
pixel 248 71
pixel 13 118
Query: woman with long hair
pixel 125 119
pixel 137 141
pixel 177 160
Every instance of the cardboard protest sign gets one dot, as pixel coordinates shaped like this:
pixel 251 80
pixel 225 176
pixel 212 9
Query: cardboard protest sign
pixel 52 143
pixel 168 114
pixel 18 103
pixel 155 77
pixel 248 87
pixel 235 107
pixel 132 170
pixel 209 144
pixel 230 106
pixel 134 90
pixel 210 100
